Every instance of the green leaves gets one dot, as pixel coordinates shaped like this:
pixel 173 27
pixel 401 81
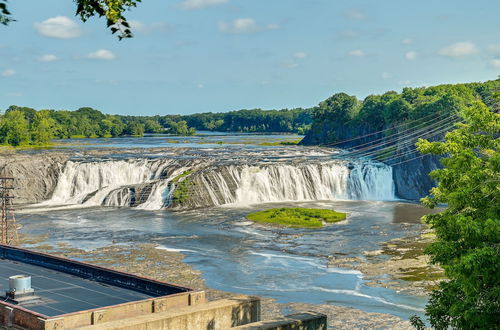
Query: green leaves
pixel 341 107
pixel 468 231
pixel 5 15
pixel 14 129
pixel 112 10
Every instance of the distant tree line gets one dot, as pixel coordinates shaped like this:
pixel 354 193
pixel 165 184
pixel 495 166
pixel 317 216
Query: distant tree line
pixel 256 120
pixel 21 126
pixel 241 121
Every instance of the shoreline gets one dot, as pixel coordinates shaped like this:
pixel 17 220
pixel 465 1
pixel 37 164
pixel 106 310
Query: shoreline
pixel 400 265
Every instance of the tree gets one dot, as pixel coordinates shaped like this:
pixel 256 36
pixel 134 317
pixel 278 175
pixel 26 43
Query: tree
pixel 339 107
pixel 397 110
pixel 112 10
pixel 28 113
pixel 118 126
pixel 14 129
pixel 152 126
pixel 372 111
pixel 468 231
pixel 134 128
pixel 180 128
pixel 42 128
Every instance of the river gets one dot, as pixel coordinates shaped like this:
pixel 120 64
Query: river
pixel 90 208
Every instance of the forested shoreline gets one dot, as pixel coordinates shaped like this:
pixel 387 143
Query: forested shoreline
pixel 339 117
pixel 24 126
pixel 342 117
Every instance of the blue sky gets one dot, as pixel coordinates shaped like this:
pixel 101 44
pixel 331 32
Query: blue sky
pixel 192 56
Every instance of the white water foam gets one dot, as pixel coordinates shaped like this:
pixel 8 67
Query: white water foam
pixel 165 248
pixel 143 183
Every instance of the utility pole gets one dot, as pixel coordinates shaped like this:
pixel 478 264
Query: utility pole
pixel 8 226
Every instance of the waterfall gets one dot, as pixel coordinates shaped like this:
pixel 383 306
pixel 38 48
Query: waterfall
pixel 106 182
pixel 275 183
pixel 149 184
pixel 292 183
pixel 371 182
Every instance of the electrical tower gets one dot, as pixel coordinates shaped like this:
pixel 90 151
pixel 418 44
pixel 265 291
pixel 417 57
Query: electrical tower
pixel 8 226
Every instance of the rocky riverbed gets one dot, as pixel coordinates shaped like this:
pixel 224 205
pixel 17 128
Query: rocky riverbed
pixel 147 260
pixel 400 264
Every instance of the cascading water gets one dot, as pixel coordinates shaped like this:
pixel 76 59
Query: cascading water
pixel 148 184
pixel 371 182
pixel 292 183
pixel 106 182
pixel 275 183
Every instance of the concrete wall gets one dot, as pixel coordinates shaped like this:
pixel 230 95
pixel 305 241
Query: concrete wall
pixel 12 315
pixel 214 315
pixel 302 321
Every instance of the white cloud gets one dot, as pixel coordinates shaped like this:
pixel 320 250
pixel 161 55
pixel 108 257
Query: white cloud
pixel 245 26
pixel 199 4
pixel 8 73
pixel 495 63
pixel 139 27
pixel 386 75
pixel 494 49
pixel 291 64
pixel 347 34
pixel 102 54
pixel 272 26
pixel 106 82
pixel 411 55
pixel 13 94
pixel 47 58
pixel 460 49
pixel 300 55
pixel 355 14
pixel 59 27
pixel 407 41
pixel 357 53
pixel 200 86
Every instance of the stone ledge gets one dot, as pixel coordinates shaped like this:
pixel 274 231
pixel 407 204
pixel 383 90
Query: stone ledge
pixel 300 321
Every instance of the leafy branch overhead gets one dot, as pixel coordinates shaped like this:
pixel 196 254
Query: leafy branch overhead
pixel 5 15
pixel 112 10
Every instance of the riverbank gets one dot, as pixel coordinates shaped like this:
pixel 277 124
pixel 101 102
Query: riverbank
pixel 150 261
pixel 400 265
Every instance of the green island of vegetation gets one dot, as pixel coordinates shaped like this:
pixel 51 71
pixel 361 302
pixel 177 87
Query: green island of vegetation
pixel 181 191
pixel 297 217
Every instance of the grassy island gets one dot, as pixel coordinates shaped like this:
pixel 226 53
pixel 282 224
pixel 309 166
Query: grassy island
pixel 297 217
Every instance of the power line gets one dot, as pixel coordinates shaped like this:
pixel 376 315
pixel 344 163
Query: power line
pixel 381 131
pixel 412 142
pixel 394 137
pixel 374 149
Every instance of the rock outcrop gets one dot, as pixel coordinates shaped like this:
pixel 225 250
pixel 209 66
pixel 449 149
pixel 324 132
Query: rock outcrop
pixel 36 175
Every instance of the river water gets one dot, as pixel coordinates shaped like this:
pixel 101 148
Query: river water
pixel 235 255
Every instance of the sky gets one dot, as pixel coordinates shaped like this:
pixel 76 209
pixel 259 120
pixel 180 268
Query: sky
pixel 190 56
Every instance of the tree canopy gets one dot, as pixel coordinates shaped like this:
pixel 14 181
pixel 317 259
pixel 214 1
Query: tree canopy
pixel 22 126
pixel 468 231
pixel 112 10
pixel 341 116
